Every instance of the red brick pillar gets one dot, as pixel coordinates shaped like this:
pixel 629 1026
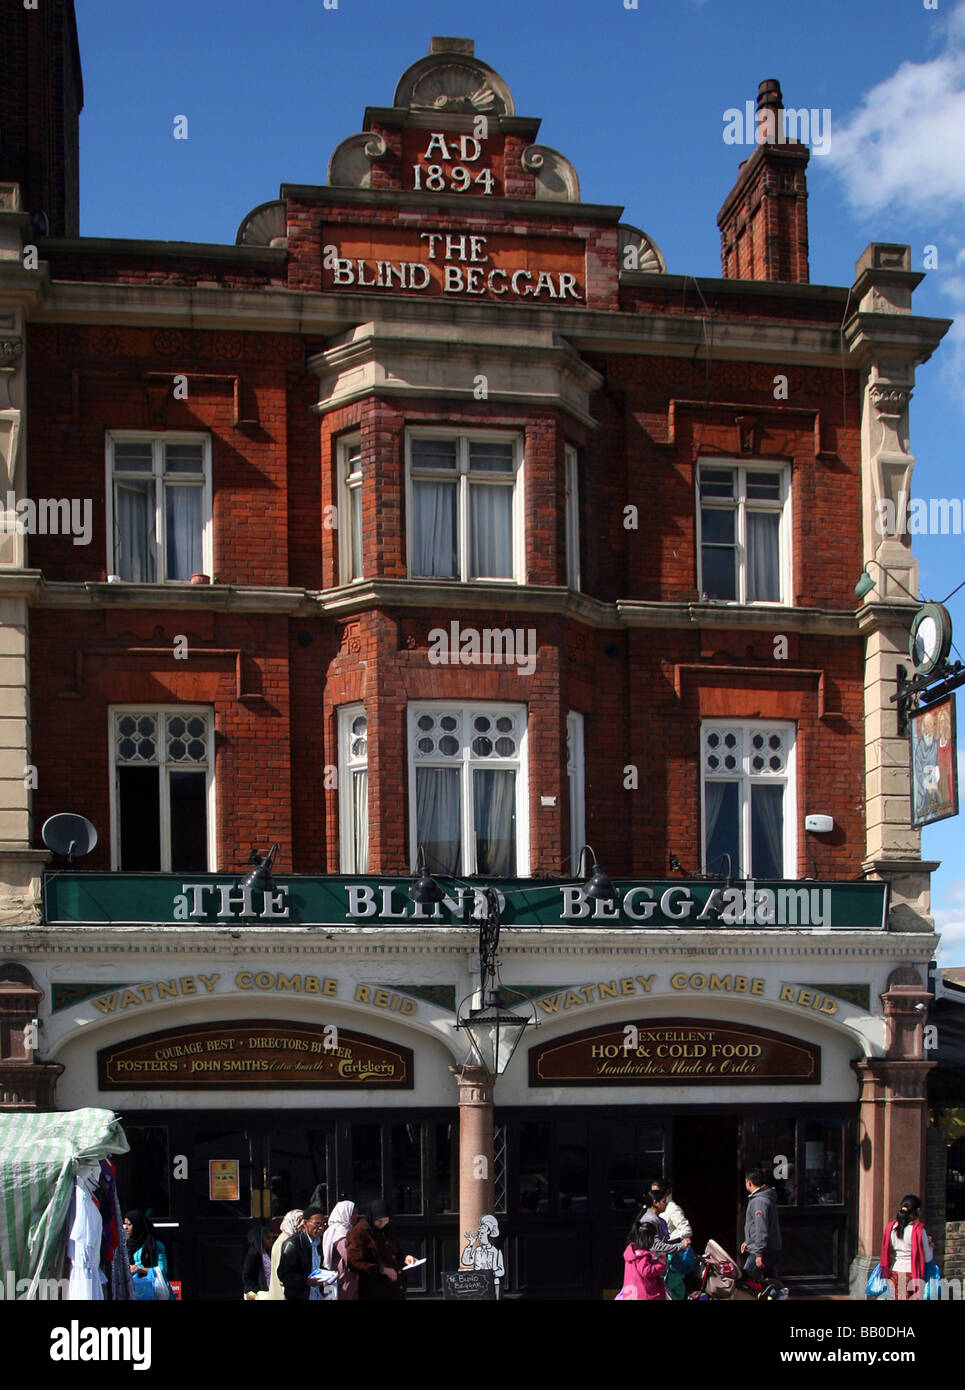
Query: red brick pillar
pixel 892 1117
pixel 475 1146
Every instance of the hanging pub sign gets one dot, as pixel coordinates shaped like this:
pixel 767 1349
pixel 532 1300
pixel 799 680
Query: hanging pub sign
pixel 257 1053
pixel 496 265
pixel 934 763
pixel 675 1052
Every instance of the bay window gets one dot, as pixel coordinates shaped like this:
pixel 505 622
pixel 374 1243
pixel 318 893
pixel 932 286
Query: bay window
pixel 467 788
pixel 464 506
pixel 748 799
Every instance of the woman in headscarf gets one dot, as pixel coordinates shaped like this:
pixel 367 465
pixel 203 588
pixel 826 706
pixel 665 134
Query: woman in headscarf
pixel 290 1224
pixel 256 1271
pixel 374 1254
pixel 145 1251
pixel 340 1221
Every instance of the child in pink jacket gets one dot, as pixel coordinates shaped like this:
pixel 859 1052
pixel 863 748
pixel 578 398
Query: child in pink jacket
pixel 642 1270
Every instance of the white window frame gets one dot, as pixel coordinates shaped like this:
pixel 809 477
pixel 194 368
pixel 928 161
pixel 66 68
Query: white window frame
pixel 740 506
pixel 575 781
pixel 746 780
pixel 347 767
pixel 349 485
pixel 468 708
pixel 571 464
pixel 157 439
pixel 185 711
pixel 462 438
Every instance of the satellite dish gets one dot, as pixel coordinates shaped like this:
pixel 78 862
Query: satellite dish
pixel 69 835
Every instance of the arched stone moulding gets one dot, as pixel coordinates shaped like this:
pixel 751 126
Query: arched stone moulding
pixel 263 226
pixel 351 163
pixel 453 83
pixel 644 254
pixel 556 179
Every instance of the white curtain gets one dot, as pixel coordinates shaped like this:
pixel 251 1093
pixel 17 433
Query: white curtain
pixel 713 803
pixel 438 818
pixel 491 531
pixel 360 816
pixel 134 527
pixel 494 810
pixel 763 569
pixel 355 503
pixel 183 516
pixel 767 831
pixel 434 530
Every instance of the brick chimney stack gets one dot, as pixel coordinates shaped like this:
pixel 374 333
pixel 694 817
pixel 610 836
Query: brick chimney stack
pixel 764 221
pixel 41 96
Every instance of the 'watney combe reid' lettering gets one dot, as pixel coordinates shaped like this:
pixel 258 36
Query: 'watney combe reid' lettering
pixel 465 267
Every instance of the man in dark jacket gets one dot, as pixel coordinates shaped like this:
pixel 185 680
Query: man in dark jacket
pixel 762 1234
pixel 300 1255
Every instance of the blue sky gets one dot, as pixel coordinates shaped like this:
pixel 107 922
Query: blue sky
pixel 634 97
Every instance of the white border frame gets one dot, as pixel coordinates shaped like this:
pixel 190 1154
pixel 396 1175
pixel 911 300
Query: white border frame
pixel 346 810
pixel 154 438
pixel 571 469
pixel 461 435
pixel 344 496
pixel 210 798
pixel 744 779
pixel 576 786
pixel 468 708
pixel 785 531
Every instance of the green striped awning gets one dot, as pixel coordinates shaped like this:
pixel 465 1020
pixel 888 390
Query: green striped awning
pixel 39 1156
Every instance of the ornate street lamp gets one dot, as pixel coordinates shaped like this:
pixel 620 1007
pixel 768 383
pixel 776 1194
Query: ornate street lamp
pixel 493 1031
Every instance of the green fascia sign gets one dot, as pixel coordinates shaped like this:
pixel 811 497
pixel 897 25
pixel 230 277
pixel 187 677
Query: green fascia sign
pixel 341 900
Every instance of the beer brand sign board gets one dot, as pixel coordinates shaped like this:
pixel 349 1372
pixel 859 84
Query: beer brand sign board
pixel 262 1052
pixel 675 1052
pixel 459 264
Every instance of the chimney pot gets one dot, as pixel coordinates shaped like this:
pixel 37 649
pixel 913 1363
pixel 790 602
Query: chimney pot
pixel 440 44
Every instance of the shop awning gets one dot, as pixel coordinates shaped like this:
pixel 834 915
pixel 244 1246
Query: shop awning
pixel 39 1156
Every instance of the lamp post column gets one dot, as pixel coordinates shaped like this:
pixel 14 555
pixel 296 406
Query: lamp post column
pixel 475 1146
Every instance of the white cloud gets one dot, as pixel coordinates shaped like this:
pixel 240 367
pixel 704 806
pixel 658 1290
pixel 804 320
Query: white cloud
pixel 902 152
pixel 903 147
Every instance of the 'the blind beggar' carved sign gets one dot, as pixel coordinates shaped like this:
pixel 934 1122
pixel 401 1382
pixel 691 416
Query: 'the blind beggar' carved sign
pixel 262 1052
pixel 499 266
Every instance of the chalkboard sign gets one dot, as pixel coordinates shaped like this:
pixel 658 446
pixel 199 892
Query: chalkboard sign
pixel 475 1284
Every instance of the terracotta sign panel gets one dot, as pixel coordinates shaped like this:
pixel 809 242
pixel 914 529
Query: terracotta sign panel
pixel 675 1052
pixel 444 161
pixel 262 1052
pixel 460 264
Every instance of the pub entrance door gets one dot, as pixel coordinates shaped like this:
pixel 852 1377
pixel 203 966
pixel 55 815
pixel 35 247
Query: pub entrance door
pixel 206 1181
pixel 705 1165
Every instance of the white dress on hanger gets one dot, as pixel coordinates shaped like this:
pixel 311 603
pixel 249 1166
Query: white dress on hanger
pixel 84 1247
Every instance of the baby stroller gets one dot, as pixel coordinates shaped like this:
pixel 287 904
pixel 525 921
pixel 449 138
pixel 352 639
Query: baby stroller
pixel 768 1289
pixel 717 1276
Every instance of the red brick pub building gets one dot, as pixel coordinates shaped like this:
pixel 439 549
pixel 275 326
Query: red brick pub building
pixel 436 512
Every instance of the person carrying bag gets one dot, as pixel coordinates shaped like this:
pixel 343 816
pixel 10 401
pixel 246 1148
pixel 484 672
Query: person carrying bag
pixel 149 1266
